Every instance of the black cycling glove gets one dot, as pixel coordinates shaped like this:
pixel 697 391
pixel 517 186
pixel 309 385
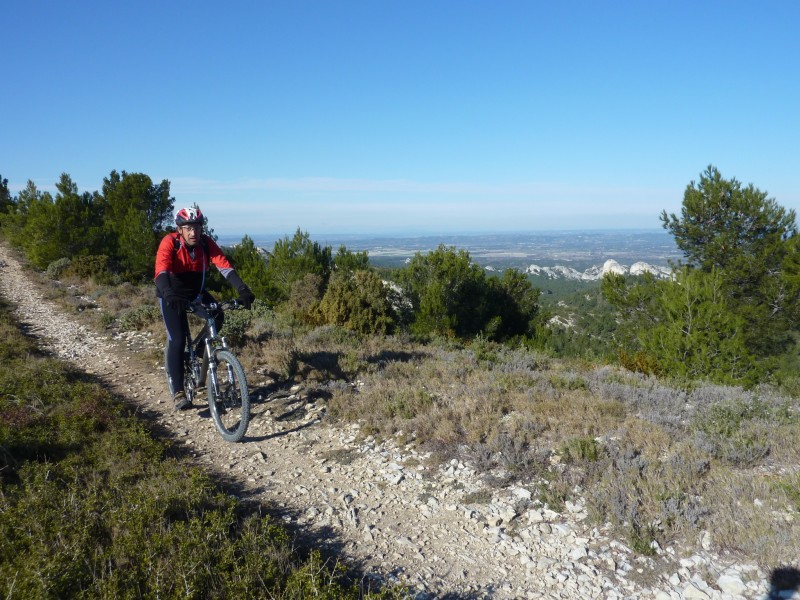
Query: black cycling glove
pixel 246 297
pixel 174 301
pixel 169 296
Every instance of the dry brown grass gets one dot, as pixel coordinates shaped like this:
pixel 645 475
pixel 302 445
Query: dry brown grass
pixel 756 514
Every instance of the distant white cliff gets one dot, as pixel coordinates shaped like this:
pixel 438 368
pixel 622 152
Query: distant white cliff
pixel 596 272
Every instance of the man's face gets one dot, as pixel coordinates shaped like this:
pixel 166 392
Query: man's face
pixel 191 234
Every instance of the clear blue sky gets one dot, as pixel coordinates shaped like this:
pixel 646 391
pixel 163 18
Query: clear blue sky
pixel 405 116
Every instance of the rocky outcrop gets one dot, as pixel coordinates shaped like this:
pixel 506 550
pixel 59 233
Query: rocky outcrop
pixel 598 271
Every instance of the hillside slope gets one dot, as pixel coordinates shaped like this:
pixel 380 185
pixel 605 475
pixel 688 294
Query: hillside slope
pixel 384 505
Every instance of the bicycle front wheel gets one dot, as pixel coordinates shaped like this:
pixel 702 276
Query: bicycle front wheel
pixel 228 398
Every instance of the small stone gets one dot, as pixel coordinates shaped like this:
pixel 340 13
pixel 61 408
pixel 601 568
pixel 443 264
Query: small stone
pixel 706 541
pixel 578 553
pixel 508 515
pixel 535 516
pixel 545 528
pixel 521 493
pixel 394 478
pixel 562 529
pixel 545 563
pixel 731 584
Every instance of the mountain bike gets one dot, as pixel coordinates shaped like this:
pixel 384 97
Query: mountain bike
pixel 218 370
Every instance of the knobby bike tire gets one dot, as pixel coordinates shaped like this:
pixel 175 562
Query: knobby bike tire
pixel 229 403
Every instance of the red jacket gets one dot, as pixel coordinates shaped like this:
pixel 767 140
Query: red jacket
pixel 187 270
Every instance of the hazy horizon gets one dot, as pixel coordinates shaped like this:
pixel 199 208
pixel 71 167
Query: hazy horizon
pixel 580 248
pixel 400 234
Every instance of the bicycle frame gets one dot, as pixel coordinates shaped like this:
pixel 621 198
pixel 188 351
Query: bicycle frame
pixel 212 341
pixel 228 397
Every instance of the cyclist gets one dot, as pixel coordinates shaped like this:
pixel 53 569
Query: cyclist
pixel 182 260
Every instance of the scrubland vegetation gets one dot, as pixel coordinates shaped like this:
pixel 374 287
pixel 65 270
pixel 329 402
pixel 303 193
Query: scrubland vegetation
pixel 670 405
pixel 93 506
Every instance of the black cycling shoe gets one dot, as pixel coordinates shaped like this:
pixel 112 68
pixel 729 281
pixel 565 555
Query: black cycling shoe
pixel 181 401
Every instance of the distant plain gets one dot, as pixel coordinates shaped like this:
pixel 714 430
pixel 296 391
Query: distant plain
pixel 579 249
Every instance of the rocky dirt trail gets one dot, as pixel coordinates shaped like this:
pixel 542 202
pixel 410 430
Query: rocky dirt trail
pixel 381 504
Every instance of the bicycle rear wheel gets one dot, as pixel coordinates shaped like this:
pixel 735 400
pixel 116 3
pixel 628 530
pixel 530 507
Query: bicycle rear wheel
pixel 189 384
pixel 228 398
pixel 187 378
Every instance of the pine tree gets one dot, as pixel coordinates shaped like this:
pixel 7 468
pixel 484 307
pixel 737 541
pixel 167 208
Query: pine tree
pixel 291 259
pixel 733 307
pixel 6 201
pixel 136 215
pixel 745 236
pixel 252 268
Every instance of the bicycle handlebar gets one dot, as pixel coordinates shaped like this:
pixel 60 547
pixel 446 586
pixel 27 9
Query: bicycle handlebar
pixel 224 305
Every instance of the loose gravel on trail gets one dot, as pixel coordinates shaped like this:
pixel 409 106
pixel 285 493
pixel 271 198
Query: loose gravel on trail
pixel 383 505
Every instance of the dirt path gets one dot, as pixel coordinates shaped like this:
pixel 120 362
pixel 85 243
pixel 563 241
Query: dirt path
pixel 380 505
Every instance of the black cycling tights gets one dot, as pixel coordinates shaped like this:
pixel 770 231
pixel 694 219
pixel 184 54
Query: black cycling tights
pixel 177 325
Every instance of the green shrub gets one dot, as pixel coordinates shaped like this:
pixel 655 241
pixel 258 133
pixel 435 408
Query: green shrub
pixel 358 301
pixel 235 326
pixel 94 267
pixel 304 298
pixel 580 449
pixel 56 268
pixel 261 310
pixel 138 318
pixel 485 351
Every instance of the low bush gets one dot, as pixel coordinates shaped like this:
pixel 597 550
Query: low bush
pixel 580 449
pixel 56 268
pixel 739 431
pixel 358 301
pixel 651 499
pixel 135 319
pixel 236 325
pixel 95 267
pixel 755 514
